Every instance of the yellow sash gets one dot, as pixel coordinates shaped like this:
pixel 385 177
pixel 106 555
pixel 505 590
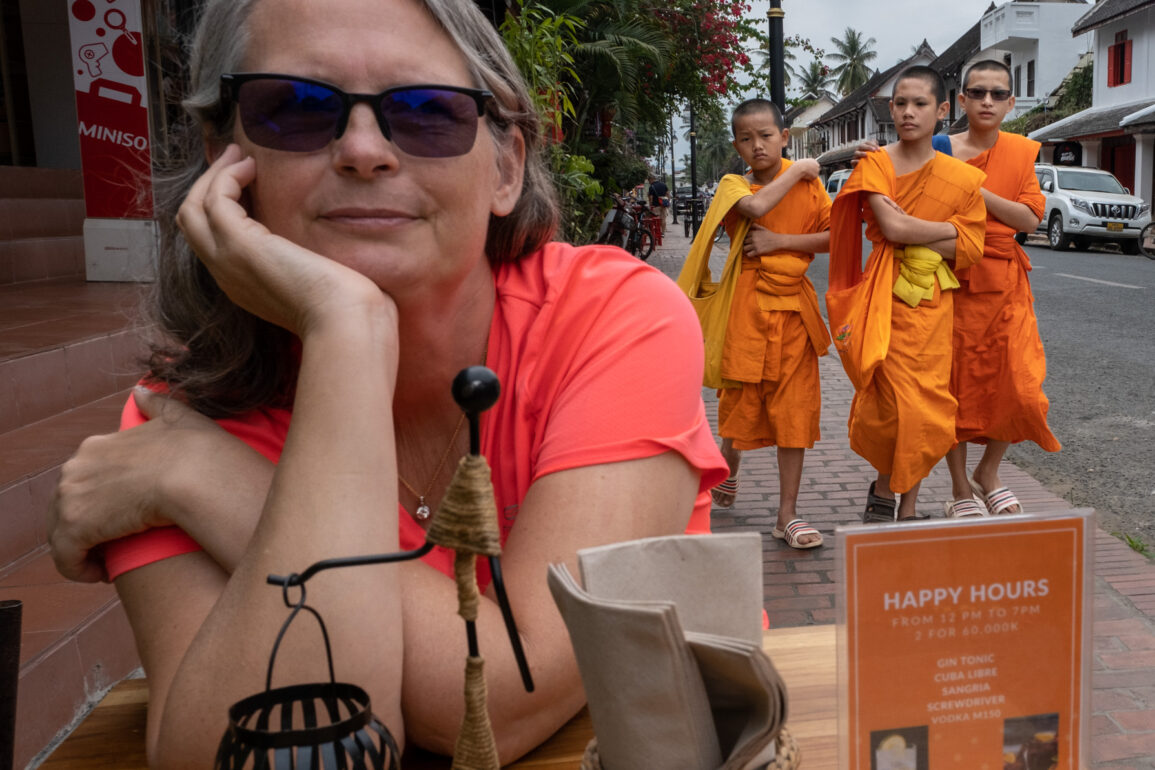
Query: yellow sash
pixel 918 266
pixel 712 300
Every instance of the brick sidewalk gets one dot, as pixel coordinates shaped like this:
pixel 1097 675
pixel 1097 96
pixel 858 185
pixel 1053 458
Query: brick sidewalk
pixel 800 585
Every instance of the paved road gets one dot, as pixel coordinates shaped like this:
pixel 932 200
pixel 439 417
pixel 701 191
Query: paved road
pixel 1096 313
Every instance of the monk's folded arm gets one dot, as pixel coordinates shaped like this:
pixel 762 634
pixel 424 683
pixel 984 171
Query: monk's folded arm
pixel 1011 213
pixel 904 229
pixel 760 203
pixel 944 247
pixel 811 243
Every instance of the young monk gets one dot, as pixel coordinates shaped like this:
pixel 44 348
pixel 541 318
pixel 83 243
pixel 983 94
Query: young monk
pixel 775 332
pixel 999 364
pixel 924 214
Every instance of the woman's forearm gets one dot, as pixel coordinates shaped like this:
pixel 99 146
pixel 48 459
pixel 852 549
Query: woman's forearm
pixel 333 494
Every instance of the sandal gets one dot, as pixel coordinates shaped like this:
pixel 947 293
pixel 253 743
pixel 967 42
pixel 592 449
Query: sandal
pixel 727 488
pixel 793 531
pixel 997 500
pixel 878 509
pixel 965 508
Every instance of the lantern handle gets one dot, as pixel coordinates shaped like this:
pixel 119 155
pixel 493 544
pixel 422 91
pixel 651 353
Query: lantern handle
pixel 297 607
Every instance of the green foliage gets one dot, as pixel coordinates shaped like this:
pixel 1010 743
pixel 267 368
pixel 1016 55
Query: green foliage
pixel 1073 95
pixel 539 41
pixel 1136 545
pixel 580 194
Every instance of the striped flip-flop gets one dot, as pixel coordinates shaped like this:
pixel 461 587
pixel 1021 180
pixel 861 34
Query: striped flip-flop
pixel 728 487
pixel 997 500
pixel 794 530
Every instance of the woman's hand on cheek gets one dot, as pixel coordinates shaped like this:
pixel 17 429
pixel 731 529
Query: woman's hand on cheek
pixel 264 273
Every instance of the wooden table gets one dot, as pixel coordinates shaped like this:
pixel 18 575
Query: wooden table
pixel 113 734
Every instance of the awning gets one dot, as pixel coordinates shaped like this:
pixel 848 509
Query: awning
pixel 1092 121
pixel 1141 118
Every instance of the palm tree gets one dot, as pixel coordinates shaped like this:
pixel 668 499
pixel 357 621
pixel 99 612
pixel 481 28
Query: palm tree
pixel 854 55
pixel 815 78
pixel 788 70
pixel 615 44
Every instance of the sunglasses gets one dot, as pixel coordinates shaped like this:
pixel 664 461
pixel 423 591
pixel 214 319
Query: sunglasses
pixel 282 112
pixel 978 94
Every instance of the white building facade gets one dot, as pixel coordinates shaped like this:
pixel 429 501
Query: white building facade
pixel 1117 133
pixel 1034 39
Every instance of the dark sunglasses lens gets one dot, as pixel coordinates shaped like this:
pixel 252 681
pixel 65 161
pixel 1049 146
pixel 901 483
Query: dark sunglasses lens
pixel 998 94
pixel 289 115
pixel 430 122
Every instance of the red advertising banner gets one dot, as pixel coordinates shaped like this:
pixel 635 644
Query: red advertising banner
pixel 966 644
pixel 112 108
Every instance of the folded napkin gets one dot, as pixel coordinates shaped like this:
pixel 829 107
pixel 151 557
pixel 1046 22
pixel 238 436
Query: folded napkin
pixel 647 700
pixel 715 580
pixel 667 636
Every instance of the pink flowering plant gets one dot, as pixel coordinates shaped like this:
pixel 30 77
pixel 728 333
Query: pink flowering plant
pixel 711 39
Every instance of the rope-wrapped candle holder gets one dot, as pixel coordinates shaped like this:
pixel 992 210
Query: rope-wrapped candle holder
pixel 331 725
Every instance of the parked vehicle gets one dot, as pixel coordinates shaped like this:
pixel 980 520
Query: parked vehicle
pixel 630 225
pixel 835 181
pixel 1087 205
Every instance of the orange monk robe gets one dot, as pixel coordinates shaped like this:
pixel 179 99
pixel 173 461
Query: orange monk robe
pixel 775 333
pixel 902 419
pixel 999 363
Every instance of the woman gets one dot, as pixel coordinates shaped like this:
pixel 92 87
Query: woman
pixel 385 244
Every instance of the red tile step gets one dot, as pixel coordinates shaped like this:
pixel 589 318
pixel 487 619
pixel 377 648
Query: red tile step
pixel 75 644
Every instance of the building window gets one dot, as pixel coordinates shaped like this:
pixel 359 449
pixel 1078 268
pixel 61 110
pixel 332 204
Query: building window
pixel 1018 80
pixel 1119 61
pixel 1030 78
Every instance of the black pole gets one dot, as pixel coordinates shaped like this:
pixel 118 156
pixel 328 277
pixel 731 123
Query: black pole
pixel 10 611
pixel 673 176
pixel 777 55
pixel 693 175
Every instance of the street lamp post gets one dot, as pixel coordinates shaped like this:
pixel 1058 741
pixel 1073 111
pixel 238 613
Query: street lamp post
pixel 693 175
pixel 673 176
pixel 777 55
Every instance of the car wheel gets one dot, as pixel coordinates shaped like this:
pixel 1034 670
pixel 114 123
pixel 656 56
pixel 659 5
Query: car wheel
pixel 1056 238
pixel 1129 247
pixel 1020 238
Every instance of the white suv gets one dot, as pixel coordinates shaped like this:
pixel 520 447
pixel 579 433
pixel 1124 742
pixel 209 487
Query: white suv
pixel 1086 205
pixel 835 182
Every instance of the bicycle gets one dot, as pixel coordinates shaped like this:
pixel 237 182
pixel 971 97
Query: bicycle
pixel 626 226
pixel 1147 241
pixel 641 239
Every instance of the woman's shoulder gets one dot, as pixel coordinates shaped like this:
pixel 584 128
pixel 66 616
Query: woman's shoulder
pixel 564 272
pixel 565 287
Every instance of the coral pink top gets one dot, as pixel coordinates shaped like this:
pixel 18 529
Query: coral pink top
pixel 600 360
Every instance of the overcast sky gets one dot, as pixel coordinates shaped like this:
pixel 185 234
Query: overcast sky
pixel 897 26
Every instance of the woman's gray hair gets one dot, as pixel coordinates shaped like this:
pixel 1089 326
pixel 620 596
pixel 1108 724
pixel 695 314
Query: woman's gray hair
pixel 220 358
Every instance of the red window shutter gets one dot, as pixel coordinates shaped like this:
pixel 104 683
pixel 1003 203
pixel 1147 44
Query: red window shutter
pixel 1125 76
pixel 1111 81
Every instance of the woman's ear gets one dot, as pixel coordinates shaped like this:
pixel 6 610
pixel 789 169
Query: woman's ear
pixel 511 173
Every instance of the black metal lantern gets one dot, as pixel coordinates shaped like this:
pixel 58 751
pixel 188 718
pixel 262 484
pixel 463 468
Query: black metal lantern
pixel 326 726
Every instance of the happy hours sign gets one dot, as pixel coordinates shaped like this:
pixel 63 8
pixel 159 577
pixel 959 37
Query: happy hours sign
pixel 964 644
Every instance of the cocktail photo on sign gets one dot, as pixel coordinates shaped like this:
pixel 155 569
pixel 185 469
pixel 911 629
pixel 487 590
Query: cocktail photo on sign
pixel 965 645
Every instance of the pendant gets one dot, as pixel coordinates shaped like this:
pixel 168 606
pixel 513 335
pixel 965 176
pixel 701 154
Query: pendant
pixel 423 511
